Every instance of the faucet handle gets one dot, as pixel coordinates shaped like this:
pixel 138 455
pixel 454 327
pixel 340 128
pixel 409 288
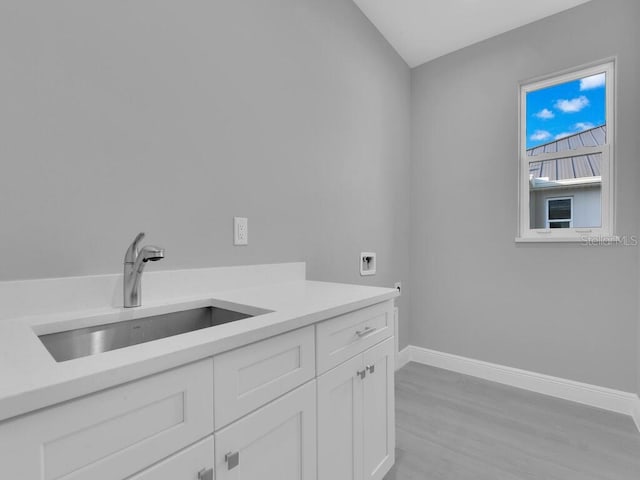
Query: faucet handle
pixel 139 237
pixel 132 251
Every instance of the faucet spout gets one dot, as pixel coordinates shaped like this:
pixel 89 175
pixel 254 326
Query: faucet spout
pixel 148 253
pixel 134 262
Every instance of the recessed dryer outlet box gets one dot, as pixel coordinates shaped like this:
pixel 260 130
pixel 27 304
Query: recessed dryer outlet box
pixel 367 263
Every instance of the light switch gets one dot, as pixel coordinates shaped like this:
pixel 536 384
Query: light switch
pixel 240 231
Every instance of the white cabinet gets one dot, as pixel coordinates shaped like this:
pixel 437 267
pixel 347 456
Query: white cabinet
pixel 340 420
pixel 192 463
pixel 378 410
pixel 356 422
pixel 275 419
pixel 113 434
pixel 276 442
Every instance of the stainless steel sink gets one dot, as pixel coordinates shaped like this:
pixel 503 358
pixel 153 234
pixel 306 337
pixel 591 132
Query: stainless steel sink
pixel 87 341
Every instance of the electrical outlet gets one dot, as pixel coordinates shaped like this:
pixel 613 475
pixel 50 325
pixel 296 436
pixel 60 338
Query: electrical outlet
pixel 398 286
pixel 240 231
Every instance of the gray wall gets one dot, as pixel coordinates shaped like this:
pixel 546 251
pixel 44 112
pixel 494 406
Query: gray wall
pixel 563 310
pixel 172 117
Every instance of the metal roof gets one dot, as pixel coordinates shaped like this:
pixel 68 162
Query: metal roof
pixel 569 168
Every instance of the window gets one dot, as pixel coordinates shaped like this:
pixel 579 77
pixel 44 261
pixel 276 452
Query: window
pixel 566 156
pixel 560 212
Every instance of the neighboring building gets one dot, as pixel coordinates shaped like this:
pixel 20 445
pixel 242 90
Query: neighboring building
pixel 566 192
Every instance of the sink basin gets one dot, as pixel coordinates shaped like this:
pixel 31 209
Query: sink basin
pixel 83 342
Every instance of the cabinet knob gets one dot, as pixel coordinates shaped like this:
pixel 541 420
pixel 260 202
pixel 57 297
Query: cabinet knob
pixel 232 459
pixel 371 368
pixel 362 374
pixel 205 474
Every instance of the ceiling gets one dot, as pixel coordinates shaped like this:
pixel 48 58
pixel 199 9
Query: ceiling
pixel 421 30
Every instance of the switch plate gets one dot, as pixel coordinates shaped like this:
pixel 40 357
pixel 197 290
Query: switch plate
pixel 240 231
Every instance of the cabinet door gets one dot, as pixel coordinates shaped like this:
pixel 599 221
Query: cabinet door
pixel 340 422
pixel 276 442
pixel 184 465
pixel 378 411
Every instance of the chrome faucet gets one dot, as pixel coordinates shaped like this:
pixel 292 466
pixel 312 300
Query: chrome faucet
pixel 134 261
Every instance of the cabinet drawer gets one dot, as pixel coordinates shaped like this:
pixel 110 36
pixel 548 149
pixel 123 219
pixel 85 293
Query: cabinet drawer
pixel 112 434
pixel 251 376
pixel 343 337
pixel 184 465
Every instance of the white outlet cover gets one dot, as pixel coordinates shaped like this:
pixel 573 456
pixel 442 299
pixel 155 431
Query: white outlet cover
pixel 240 231
pixel 367 263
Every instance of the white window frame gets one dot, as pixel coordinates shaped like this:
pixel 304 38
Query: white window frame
pixel 570 219
pixel 606 231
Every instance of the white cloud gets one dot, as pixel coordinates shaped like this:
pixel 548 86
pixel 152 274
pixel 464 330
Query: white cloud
pixel 582 126
pixel 572 106
pixel 594 81
pixel 545 114
pixel 540 135
pixel 578 127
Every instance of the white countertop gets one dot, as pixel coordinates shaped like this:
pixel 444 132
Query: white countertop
pixel 31 379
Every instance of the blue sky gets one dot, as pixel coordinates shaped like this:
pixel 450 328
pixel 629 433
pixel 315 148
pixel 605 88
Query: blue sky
pixel 565 109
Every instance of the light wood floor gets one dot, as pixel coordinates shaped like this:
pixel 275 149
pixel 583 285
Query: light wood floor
pixel 455 427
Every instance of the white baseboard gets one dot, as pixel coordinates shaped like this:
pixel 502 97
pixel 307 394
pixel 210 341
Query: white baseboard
pixel 592 395
pixel 403 358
